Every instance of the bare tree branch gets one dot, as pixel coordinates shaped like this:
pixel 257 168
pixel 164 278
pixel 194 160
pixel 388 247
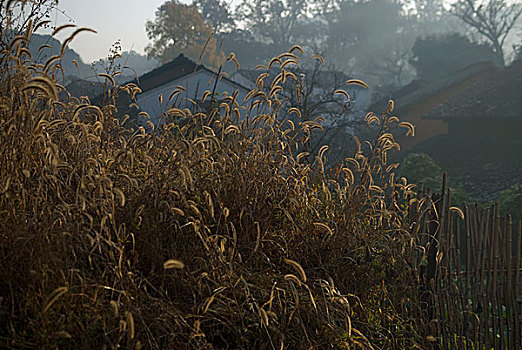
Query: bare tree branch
pixel 494 19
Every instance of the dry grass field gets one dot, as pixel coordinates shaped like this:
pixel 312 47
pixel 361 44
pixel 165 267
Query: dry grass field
pixel 209 232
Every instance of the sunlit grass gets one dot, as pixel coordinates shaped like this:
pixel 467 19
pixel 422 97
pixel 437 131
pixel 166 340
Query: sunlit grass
pixel 212 231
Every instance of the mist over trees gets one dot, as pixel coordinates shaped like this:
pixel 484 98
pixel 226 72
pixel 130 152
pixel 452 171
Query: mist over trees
pixel 494 20
pixel 389 43
pixel 385 41
pixel 438 56
pixel 217 14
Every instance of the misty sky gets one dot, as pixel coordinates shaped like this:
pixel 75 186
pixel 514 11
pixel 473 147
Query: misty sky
pixel 113 19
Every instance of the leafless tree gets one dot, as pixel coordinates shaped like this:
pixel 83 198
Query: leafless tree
pixel 494 19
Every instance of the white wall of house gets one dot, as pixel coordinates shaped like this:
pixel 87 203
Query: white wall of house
pixel 198 83
pixel 195 86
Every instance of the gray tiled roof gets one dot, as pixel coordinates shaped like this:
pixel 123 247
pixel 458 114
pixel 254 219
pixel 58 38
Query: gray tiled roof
pixel 497 95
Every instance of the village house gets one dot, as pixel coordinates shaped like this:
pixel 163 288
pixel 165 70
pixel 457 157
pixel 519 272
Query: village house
pixel 419 98
pixel 195 80
pixel 470 123
pixel 482 149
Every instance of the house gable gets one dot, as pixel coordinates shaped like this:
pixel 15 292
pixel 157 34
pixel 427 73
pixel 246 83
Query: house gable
pixel 194 87
pixel 194 80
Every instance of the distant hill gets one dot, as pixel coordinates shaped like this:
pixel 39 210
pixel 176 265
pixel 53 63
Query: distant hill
pixel 137 65
pixel 42 47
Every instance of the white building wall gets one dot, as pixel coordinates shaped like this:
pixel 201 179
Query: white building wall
pixel 195 86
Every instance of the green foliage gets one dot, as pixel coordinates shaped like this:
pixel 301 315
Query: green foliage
pixel 511 201
pixel 439 56
pixel 420 167
pixel 459 196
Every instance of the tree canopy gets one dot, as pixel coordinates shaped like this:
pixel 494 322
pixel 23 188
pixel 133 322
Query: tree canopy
pixel 370 38
pixel 494 20
pixel 179 28
pixel 216 13
pixel 511 201
pixel 274 21
pixel 420 167
pixel 388 42
pixel 438 56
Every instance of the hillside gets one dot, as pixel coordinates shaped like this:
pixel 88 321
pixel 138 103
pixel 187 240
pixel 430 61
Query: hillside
pixel 75 68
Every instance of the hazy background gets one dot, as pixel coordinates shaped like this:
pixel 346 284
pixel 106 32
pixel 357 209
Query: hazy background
pixel 113 20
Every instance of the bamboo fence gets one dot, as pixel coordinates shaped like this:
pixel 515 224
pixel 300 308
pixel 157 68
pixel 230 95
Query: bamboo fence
pixel 472 281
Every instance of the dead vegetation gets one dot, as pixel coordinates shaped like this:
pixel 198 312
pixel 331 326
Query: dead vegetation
pixel 211 232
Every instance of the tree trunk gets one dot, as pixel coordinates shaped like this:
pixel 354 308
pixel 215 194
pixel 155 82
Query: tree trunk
pixel 500 54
